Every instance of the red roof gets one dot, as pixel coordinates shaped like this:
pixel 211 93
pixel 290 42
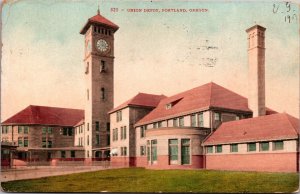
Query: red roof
pixel 98 19
pixel 203 97
pixel 44 115
pixel 269 127
pixel 141 99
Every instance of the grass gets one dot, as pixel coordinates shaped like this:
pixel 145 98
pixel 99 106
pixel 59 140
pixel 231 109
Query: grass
pixel 142 180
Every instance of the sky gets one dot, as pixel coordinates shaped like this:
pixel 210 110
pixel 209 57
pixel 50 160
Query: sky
pixel 158 53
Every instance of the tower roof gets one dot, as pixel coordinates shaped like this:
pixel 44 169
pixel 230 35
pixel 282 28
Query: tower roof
pixel 98 19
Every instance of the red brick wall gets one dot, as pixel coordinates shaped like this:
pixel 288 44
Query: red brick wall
pixel 121 161
pixel 271 162
pixel 141 161
pixel 163 163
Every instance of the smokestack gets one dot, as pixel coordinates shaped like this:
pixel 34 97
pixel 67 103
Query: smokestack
pixel 256 63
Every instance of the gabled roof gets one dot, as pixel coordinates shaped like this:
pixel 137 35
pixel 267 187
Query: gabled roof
pixel 269 127
pixel 44 115
pixel 141 99
pixel 98 19
pixel 209 95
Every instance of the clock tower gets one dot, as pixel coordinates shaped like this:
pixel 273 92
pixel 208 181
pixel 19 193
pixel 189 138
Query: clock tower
pixel 99 92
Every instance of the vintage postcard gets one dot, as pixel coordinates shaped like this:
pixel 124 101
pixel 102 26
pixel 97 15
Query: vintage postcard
pixel 149 96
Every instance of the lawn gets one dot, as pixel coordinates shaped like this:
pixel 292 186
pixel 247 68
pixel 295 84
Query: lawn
pixel 142 180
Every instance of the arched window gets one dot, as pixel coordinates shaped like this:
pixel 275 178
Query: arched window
pixel 102 93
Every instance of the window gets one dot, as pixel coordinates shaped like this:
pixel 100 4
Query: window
pixel 63 154
pixel 219 149
pixel 87 68
pixel 175 122
pixel 168 106
pixel 72 154
pixel 154 125
pixel 119 116
pixel 115 134
pixel 185 151
pixel 251 147
pixel 124 132
pixel 234 148
pixel 108 139
pixel 123 151
pixel 142 150
pixel 25 141
pixel 20 129
pixel 108 127
pixel 217 116
pixel 88 126
pixel 102 93
pixel 181 122
pixel 44 130
pixel 159 124
pixel 20 142
pixel 102 66
pixel 87 94
pixel 50 130
pixel 70 131
pixel 65 131
pixel 98 139
pixel 200 120
pixel 121 132
pixel 26 128
pixel 148 150
pixel 44 142
pixel 173 150
pixel 49 143
pixel 193 120
pixel 143 129
pixel 87 140
pixel 209 149
pixel 154 150
pixel 264 146
pixel 97 126
pixel 278 145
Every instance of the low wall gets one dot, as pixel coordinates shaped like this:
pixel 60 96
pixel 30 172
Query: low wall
pixel 269 162
pixel 163 163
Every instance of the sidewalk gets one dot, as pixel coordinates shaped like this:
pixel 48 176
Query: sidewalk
pixel 45 171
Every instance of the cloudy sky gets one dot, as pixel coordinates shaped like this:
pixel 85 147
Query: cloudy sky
pixel 160 53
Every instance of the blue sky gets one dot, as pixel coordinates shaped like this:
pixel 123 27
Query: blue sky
pixel 155 52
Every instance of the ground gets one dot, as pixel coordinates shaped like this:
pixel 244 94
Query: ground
pixel 142 180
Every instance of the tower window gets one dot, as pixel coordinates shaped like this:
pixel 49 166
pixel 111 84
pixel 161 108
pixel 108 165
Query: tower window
pixel 87 68
pixel 87 94
pixel 98 30
pixel 102 93
pixel 102 66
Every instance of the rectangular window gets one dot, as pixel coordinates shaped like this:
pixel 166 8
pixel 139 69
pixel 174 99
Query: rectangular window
pixel 72 154
pixel 209 149
pixel 49 143
pixel 124 132
pixel 125 151
pixel 173 149
pixel 154 125
pixel 65 131
pixel 44 143
pixel 87 94
pixel 88 127
pixel 70 131
pixel 217 116
pixel 193 120
pixel 278 145
pixel 108 139
pixel 159 124
pixel 25 141
pixel 251 147
pixel 20 129
pixel 20 142
pixel 26 128
pixel 200 120
pixel 44 130
pixel 116 133
pixel 97 125
pixel 181 122
pixel 219 149
pixel 142 150
pixel 108 127
pixel 102 66
pixel 175 122
pixel 264 146
pixel 154 150
pixel 143 128
pixel 63 154
pixel 87 140
pixel 50 130
pixel 234 148
pixel 185 151
pixel 98 139
pixel 119 116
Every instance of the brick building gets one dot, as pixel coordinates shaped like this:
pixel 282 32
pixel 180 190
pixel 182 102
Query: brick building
pixel 205 127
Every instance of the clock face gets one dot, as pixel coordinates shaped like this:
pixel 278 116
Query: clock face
pixel 102 45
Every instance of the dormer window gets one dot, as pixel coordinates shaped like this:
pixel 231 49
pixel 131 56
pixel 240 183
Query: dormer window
pixel 171 104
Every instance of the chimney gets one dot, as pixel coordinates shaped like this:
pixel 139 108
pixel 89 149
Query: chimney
pixel 256 63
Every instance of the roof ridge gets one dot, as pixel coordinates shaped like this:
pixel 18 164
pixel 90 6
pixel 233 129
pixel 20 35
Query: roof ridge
pixel 289 121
